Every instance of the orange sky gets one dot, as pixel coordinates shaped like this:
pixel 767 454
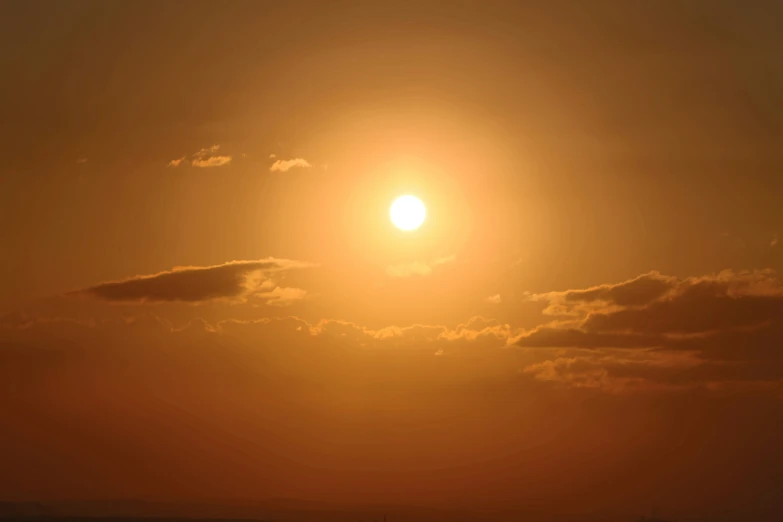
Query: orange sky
pixel 202 296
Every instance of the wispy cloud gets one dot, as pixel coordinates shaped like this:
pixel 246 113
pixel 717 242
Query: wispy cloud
pixel 775 241
pixel 634 292
pixel 286 165
pixel 235 279
pixel 203 158
pixel 417 268
pixel 207 158
pixel 176 162
pixel 493 299
pixel 81 161
pixel 207 151
pixel 212 161
pixel 283 296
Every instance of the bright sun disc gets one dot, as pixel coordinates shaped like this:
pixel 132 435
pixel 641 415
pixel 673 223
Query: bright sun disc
pixel 407 212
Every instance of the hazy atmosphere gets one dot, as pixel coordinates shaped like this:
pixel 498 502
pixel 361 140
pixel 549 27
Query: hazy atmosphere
pixel 505 259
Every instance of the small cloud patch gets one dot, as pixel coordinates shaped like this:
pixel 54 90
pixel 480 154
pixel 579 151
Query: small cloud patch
pixel 176 162
pixel 286 165
pixel 204 158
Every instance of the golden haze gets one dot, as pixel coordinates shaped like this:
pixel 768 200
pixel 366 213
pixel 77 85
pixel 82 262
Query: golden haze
pixel 204 299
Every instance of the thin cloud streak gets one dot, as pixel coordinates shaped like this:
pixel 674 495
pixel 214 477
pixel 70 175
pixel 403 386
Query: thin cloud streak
pixel 213 161
pixel 204 158
pixel 235 279
pixel 286 165
pixel 417 268
pixel 283 297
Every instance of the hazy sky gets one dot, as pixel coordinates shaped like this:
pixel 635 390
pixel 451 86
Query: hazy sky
pixel 199 280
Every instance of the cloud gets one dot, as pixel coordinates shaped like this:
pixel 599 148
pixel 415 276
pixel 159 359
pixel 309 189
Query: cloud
pixel 81 161
pixel 417 268
pixel 207 151
pixel 286 165
pixel 212 161
pixel 478 328
pixel 718 333
pixel 774 241
pixel 283 296
pixel 204 158
pixel 207 157
pixel 235 279
pixel 272 156
pixel 635 292
pixel 723 301
pixel 478 333
pixel 638 291
pixel 493 299
pixel 659 305
pixel 729 325
pixel 615 371
pixel 552 337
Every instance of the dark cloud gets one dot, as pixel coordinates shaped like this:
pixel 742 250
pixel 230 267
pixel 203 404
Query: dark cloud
pixel 762 344
pixel 690 313
pixel 638 291
pixel 700 331
pixel 721 302
pixel 623 371
pixel 550 337
pixel 194 284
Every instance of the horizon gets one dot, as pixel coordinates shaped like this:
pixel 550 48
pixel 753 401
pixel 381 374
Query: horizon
pixel 287 508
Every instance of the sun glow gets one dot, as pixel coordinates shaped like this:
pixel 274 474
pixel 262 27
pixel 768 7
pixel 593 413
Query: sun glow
pixel 407 212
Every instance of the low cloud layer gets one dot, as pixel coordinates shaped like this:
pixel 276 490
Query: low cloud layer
pixel 221 404
pixel 652 332
pixel 662 370
pixel 235 279
pixel 715 330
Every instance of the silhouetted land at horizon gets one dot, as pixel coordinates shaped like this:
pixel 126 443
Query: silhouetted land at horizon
pixel 296 510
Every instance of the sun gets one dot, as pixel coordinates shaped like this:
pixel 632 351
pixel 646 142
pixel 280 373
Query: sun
pixel 407 212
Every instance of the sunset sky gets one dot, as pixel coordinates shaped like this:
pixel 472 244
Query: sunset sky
pixel 202 295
